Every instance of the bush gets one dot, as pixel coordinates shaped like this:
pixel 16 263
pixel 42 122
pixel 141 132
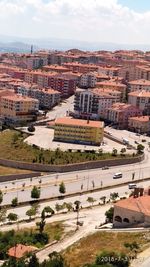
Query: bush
pixel 41 238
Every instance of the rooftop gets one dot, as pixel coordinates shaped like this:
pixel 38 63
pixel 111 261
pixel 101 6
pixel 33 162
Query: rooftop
pixel 140 94
pixel 139 204
pixel 76 122
pixel 140 82
pixel 20 250
pixel 19 98
pixel 140 118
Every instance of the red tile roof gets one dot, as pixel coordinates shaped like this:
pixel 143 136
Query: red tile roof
pixel 20 250
pixel 76 122
pixel 139 204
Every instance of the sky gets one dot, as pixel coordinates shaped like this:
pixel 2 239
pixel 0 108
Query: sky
pixel 115 21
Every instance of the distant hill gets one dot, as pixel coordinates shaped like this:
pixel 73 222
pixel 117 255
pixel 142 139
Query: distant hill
pixel 15 47
pixel 22 44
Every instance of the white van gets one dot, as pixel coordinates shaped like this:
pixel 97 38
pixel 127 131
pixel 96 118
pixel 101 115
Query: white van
pixel 132 186
pixel 117 175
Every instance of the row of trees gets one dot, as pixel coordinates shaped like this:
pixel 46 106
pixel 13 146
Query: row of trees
pixel 55 260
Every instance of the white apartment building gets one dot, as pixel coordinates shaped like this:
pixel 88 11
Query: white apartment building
pixel 87 80
pixel 139 85
pixel 92 103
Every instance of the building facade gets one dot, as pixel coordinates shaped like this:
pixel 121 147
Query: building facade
pixel 79 131
pixel 120 113
pixel 140 124
pixel 15 108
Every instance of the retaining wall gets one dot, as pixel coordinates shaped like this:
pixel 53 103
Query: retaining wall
pixel 70 167
pixel 13 177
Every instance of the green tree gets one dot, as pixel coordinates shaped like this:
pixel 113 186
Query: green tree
pixel 33 262
pixel 114 152
pixel 31 212
pixel 77 204
pixel 109 214
pixel 91 200
pixel 42 223
pixel 114 196
pixel 140 149
pixel 62 188
pixel 49 210
pixel 35 193
pixel 68 206
pixel 3 216
pixel 123 151
pixel 103 199
pixel 31 128
pixel 59 207
pixel 56 260
pixel 12 217
pixel 100 151
pixel 14 202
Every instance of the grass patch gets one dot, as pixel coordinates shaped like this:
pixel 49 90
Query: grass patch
pixel 13 148
pixel 85 251
pixel 9 171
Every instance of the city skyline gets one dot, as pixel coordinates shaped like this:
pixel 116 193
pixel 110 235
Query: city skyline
pixel 117 21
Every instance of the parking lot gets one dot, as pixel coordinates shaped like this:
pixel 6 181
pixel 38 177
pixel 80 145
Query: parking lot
pixel 43 137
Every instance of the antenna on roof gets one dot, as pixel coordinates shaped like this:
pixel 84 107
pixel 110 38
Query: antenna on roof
pixel 31 49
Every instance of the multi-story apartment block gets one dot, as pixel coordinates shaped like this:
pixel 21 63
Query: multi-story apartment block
pixel 63 83
pixel 109 70
pixel 15 108
pixel 88 80
pixel 114 85
pixel 82 68
pixel 139 85
pixel 120 113
pixel 142 72
pixel 55 68
pixel 79 131
pixel 140 124
pixel 140 100
pixel 47 97
pixel 5 93
pixel 92 103
pixel 31 61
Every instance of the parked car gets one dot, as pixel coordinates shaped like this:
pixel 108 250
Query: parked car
pixel 105 168
pixel 132 186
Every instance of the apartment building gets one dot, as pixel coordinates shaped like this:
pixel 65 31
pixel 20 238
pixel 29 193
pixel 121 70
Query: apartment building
pixel 47 97
pixel 109 70
pixel 82 68
pixel 65 84
pixel 4 92
pixel 140 124
pixel 140 99
pixel 87 80
pixel 93 103
pixel 142 72
pixel 139 85
pixel 114 85
pixel 79 131
pixel 55 68
pixel 16 109
pixel 31 61
pixel 120 113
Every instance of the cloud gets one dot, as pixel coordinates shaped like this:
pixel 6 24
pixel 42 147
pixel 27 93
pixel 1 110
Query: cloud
pixel 91 20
